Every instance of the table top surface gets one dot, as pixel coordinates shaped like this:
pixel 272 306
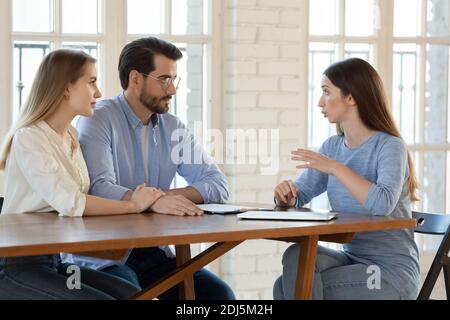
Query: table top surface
pixel 46 233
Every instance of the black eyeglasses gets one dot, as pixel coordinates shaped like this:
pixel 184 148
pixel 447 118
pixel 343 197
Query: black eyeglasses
pixel 165 82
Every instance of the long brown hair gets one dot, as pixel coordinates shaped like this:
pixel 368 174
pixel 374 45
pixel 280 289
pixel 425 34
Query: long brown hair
pixel 357 77
pixel 58 69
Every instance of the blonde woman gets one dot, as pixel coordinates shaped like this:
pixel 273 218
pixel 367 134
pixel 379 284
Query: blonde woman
pixel 45 171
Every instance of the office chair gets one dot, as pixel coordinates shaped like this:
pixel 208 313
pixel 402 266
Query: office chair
pixel 436 224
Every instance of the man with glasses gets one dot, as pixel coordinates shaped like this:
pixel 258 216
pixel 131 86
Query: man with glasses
pixel 131 140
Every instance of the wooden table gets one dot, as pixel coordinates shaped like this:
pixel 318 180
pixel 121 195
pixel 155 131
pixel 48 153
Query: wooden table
pixel 46 233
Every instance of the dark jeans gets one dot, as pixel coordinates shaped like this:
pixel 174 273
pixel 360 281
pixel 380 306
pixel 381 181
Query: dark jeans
pixel 147 265
pixel 44 278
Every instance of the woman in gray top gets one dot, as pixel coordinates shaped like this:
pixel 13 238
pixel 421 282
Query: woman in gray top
pixel 365 169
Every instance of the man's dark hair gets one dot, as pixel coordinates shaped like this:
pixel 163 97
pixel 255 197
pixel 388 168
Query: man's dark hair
pixel 140 54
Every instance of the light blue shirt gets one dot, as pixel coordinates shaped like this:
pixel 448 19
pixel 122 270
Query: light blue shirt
pixel 111 145
pixel 382 159
pixel 110 141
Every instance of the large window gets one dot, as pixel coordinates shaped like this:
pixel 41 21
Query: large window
pixel 188 25
pixel 101 28
pixel 39 26
pixel 338 30
pixel 408 42
pixel 420 92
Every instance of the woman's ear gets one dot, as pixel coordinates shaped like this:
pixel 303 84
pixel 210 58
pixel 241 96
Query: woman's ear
pixel 350 101
pixel 67 93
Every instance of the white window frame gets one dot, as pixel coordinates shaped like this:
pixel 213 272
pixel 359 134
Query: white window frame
pixel 212 82
pixel 421 147
pixel 112 38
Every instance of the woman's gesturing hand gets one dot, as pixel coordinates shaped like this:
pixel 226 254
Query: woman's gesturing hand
pixel 314 160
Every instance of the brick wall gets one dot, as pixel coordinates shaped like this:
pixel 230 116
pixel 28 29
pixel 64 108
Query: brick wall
pixel 194 55
pixel 263 89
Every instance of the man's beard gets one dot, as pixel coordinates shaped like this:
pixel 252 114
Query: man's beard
pixel 155 104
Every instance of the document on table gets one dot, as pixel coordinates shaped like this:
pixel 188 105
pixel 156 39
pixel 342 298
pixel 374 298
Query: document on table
pixel 288 215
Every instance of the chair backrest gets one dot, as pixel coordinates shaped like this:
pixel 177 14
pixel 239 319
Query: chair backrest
pixel 431 223
pixel 1 204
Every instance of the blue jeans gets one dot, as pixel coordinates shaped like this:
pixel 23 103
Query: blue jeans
pixel 147 265
pixel 37 278
pixel 336 278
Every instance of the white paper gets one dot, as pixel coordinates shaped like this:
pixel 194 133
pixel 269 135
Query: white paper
pixel 287 215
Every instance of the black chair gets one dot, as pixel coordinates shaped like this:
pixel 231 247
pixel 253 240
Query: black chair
pixel 1 204
pixel 436 224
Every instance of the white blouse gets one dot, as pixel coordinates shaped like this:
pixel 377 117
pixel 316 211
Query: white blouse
pixel 45 172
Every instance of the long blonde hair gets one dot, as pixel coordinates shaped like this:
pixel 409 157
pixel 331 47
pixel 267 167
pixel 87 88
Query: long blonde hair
pixel 357 77
pixel 57 70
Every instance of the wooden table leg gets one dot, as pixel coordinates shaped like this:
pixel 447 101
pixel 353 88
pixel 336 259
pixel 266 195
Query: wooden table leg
pixel 180 273
pixel 186 287
pixel 306 267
